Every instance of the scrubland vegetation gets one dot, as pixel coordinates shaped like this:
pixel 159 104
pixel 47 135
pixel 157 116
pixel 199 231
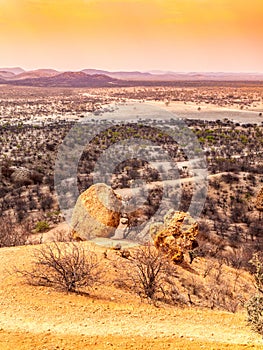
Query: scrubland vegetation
pixel 34 123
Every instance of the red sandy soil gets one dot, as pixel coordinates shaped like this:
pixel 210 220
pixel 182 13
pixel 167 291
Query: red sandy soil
pixel 109 318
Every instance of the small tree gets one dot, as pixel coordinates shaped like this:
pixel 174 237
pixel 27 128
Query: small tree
pixel 150 274
pixel 66 266
pixel 255 303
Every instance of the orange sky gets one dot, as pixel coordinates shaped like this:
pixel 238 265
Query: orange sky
pixel 179 35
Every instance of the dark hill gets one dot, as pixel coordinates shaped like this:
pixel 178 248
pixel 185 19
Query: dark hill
pixel 68 79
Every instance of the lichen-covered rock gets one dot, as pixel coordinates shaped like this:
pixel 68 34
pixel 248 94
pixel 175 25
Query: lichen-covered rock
pixel 259 200
pixel 168 217
pixel 155 228
pixel 96 213
pixel 21 176
pixel 24 176
pixel 177 236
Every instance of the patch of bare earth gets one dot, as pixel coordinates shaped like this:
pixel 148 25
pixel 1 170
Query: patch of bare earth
pixel 108 318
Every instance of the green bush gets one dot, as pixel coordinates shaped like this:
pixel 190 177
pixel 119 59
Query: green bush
pixel 42 226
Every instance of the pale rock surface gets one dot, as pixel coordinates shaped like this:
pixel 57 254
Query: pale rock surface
pixel 96 213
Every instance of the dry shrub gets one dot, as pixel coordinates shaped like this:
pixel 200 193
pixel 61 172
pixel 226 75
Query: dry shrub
pixel 150 274
pixel 10 234
pixel 255 303
pixel 214 288
pixel 65 266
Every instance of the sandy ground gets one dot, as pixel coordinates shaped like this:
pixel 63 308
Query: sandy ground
pixel 212 112
pixel 41 318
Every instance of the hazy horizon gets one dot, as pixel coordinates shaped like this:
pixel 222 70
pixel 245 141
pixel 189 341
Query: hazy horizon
pixel 152 71
pixel 170 35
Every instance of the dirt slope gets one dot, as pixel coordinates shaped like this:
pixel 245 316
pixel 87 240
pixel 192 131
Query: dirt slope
pixel 41 318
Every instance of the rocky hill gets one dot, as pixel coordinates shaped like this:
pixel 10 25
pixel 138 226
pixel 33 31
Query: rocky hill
pixel 6 75
pixel 67 79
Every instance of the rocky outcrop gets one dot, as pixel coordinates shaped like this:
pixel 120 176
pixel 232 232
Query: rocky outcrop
pixel 176 236
pixel 96 213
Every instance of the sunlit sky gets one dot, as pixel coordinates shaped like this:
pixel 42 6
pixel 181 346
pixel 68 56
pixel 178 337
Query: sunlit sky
pixel 177 35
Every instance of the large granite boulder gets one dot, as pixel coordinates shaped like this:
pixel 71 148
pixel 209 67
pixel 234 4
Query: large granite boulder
pixel 96 213
pixel 176 236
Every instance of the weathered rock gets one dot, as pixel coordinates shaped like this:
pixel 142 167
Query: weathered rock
pixel 139 215
pixel 177 236
pixel 259 200
pixel 125 253
pixel 24 176
pixel 155 228
pixel 123 229
pixel 21 176
pixel 168 217
pixel 96 213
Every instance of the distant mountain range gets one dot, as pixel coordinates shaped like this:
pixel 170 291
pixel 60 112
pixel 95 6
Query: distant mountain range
pixel 102 78
pixel 173 76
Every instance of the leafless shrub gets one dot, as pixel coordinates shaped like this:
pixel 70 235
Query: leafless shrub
pixel 151 275
pixel 195 290
pixel 218 271
pixel 217 291
pixel 62 236
pixel 221 291
pixel 11 235
pixel 66 266
pixel 208 268
pixel 221 296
